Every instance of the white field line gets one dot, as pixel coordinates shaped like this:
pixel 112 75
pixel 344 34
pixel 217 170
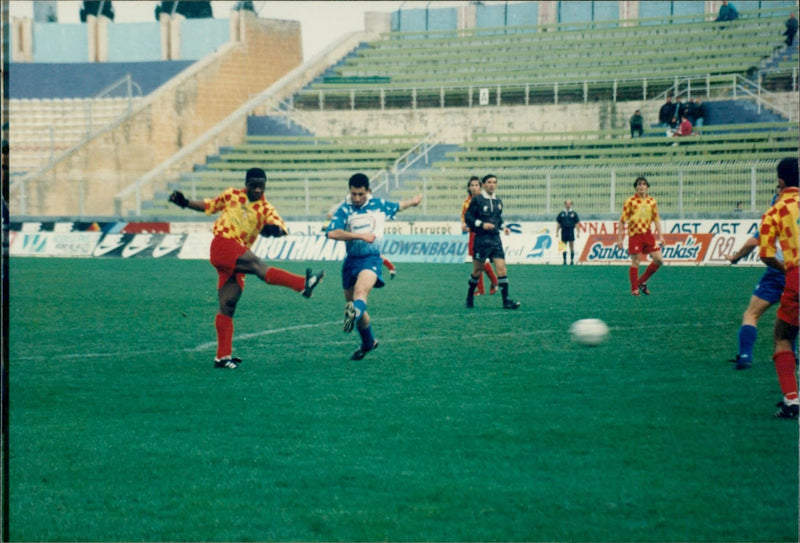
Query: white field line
pixel 207 346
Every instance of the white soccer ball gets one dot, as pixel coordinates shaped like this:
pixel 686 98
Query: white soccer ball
pixel 589 332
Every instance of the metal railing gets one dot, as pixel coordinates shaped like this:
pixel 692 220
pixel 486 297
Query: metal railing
pixel 510 93
pixel 270 99
pixel 131 91
pixel 683 190
pixel 128 84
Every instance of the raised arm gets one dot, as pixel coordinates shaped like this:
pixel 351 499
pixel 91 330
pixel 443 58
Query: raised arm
pixel 180 200
pixel 405 204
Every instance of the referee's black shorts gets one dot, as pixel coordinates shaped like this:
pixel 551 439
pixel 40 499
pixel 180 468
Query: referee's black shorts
pixel 488 247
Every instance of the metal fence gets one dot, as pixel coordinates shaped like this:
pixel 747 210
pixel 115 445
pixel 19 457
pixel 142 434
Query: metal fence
pixel 525 93
pixel 684 190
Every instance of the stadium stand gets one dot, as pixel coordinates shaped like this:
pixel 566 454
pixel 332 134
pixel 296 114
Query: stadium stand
pixel 614 65
pixel 525 62
pixel 758 141
pixel 54 107
pixel 526 160
pixel 43 129
pixel 306 175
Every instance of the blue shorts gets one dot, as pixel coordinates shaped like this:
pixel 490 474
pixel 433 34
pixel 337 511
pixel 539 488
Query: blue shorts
pixel 353 265
pixel 770 286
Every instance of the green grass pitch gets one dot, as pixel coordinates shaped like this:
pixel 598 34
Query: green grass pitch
pixel 465 425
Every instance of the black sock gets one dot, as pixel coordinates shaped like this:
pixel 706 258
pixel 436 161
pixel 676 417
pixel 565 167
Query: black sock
pixel 503 282
pixel 472 282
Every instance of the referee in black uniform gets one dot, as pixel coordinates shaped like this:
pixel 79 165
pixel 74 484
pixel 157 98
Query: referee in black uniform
pixel 484 216
pixel 567 221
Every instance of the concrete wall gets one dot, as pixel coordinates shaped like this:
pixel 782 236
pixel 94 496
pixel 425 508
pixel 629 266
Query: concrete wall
pixel 170 118
pixel 455 125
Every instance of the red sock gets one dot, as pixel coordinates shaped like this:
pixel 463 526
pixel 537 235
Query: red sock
pixel 388 264
pixel 480 289
pixel 651 269
pixel 490 272
pixel 785 366
pixel 633 274
pixel 277 276
pixel 224 327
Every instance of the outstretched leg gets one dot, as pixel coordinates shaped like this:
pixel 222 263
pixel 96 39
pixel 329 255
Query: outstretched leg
pixel 249 263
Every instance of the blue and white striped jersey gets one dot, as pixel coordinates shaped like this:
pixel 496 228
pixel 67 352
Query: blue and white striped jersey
pixel 369 218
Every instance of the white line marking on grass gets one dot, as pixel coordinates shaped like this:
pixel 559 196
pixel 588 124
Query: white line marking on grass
pixel 317 343
pixel 213 344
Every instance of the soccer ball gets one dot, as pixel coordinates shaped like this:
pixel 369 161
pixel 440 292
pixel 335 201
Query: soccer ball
pixel 589 332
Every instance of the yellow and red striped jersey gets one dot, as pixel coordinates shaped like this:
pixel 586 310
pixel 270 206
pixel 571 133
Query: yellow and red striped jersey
pixel 465 206
pixel 779 224
pixel 241 220
pixel 639 213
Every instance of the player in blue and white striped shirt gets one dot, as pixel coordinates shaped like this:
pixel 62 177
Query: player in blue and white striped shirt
pixel 359 222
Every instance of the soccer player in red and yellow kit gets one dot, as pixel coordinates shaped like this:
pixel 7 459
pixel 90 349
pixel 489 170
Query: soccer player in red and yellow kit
pixel 638 213
pixel 473 188
pixel 779 224
pixel 245 213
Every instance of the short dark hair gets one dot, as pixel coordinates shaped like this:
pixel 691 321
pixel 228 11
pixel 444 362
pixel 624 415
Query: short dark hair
pixel 641 178
pixel 255 174
pixel 787 170
pixel 359 180
pixel 471 179
pixel 487 176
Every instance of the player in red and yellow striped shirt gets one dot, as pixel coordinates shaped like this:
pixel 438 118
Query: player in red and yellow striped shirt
pixel 779 224
pixel 244 214
pixel 639 212
pixel 473 188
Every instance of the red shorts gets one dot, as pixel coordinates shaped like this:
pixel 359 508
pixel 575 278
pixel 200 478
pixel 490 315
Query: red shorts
pixel 642 244
pixel 224 254
pixel 788 312
pixel 470 247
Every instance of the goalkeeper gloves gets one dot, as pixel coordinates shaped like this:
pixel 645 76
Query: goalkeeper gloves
pixel 272 230
pixel 178 199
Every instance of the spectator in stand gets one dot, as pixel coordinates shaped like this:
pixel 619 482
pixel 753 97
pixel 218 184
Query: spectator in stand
pixel 727 13
pixel 97 8
pixel 672 126
pixel 637 124
pixel 666 113
pixel 791 29
pixel 684 129
pixel 680 108
pixel 695 112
